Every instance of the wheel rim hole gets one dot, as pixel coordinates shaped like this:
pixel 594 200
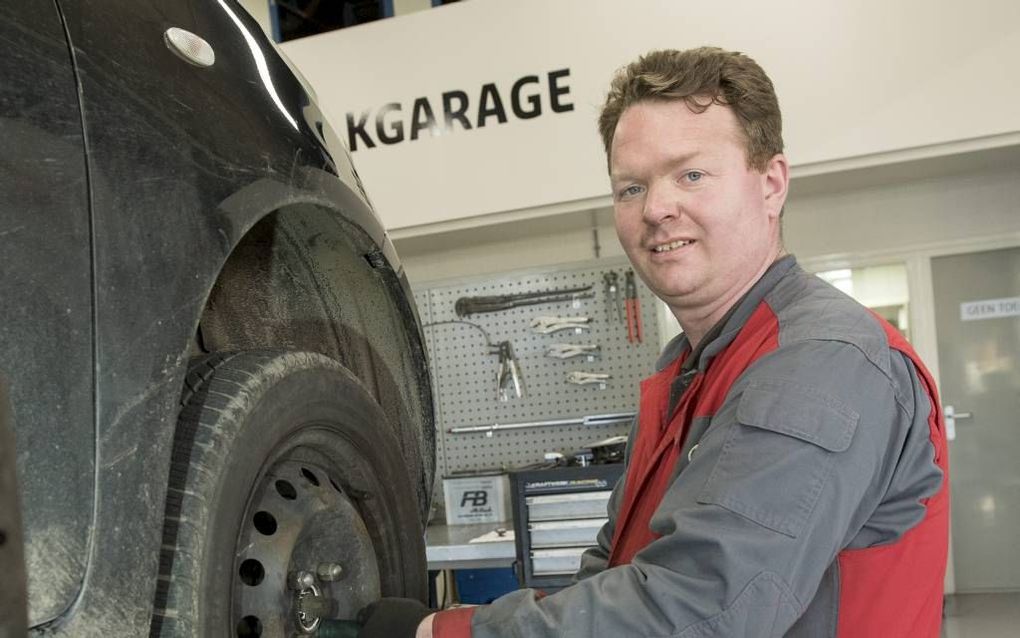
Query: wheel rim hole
pixel 286 490
pixel 335 485
pixel 252 573
pixel 249 626
pixel 265 523
pixel 308 474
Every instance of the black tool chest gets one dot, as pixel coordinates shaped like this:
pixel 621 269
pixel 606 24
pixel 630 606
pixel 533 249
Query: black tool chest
pixel 558 513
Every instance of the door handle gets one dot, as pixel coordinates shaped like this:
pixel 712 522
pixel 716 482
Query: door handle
pixel 951 416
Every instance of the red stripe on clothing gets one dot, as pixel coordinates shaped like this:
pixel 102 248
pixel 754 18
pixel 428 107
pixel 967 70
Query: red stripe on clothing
pixel 896 590
pixel 453 623
pixel 661 436
pixel 759 337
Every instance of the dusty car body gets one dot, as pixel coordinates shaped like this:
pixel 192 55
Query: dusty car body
pixel 154 211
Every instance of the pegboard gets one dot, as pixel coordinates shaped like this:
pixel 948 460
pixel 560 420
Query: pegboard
pixel 464 372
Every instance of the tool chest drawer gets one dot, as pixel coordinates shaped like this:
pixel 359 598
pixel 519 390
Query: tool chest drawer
pixel 556 562
pixel 582 532
pixel 557 507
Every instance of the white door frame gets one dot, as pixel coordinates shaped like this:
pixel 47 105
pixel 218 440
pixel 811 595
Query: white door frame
pixel 917 259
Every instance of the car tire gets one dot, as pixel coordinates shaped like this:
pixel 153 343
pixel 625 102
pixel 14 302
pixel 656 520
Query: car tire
pixel 288 501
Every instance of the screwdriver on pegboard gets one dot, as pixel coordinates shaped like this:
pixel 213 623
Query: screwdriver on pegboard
pixel 633 305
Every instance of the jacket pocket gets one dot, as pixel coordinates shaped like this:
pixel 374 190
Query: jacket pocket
pixel 764 609
pixel 778 455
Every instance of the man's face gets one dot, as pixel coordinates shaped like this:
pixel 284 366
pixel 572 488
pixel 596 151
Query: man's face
pixel 696 222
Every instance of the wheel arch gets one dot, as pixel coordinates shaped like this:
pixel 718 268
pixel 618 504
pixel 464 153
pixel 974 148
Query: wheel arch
pixel 312 270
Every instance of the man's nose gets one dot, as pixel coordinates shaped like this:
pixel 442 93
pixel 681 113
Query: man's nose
pixel 661 204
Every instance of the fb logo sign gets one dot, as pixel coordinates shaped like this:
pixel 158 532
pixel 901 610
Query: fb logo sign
pixel 477 498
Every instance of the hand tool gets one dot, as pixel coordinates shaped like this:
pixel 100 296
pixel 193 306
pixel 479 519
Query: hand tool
pixel 508 374
pixel 611 280
pixel 568 350
pixel 494 303
pixel 609 450
pixel 584 378
pixel 548 325
pixel 593 420
pixel 633 310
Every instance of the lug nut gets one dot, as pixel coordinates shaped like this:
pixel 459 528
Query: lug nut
pixel 329 572
pixel 300 580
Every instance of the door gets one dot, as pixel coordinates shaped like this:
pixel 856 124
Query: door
pixel 977 317
pixel 46 301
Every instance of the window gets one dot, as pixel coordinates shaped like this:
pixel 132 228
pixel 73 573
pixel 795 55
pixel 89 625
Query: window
pixel 880 288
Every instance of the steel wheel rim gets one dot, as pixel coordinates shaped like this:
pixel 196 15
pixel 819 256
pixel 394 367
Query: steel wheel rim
pixel 298 520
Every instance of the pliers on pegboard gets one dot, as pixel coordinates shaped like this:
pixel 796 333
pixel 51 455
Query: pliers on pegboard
pixel 586 378
pixel 568 350
pixel 611 281
pixel 508 375
pixel 633 310
pixel 548 325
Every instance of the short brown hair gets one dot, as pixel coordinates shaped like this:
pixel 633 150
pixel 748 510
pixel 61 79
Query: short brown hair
pixel 701 77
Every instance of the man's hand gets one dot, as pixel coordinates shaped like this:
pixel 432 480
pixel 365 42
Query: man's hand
pixel 392 618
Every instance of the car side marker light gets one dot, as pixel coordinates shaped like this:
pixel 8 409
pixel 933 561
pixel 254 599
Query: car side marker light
pixel 190 47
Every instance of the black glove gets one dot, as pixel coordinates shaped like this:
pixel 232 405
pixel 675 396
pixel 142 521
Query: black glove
pixel 392 618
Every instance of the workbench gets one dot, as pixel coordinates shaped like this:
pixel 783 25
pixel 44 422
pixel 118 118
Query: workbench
pixel 449 547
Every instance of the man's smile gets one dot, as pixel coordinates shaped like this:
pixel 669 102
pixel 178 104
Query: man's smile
pixel 671 246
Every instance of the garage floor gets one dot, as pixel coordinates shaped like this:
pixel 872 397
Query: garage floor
pixel 982 616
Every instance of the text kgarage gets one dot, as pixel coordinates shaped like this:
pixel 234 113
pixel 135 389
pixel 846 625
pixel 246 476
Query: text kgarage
pixel 526 101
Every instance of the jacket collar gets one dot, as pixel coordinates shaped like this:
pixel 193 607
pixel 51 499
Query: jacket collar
pixel 726 329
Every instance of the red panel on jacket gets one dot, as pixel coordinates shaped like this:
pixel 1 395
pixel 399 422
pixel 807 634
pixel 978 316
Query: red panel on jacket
pixel 896 590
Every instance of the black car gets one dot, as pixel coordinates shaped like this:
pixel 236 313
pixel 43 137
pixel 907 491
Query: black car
pixel 209 355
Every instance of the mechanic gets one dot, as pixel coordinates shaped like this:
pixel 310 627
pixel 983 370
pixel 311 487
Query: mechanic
pixel 787 475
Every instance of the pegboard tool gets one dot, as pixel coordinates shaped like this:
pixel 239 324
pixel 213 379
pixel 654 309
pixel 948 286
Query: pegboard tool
pixel 569 350
pixel 508 376
pixel 585 378
pixel 633 310
pixel 494 303
pixel 592 421
pixel 611 281
pixel 549 325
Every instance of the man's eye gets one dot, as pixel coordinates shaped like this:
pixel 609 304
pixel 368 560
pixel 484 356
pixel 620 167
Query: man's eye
pixel 694 176
pixel 630 191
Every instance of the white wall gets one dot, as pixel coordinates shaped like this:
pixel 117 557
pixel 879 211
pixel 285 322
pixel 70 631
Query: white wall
pixel 911 214
pixel 862 81
pixel 532 243
pixel 893 218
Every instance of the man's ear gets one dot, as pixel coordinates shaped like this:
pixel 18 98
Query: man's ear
pixel 776 184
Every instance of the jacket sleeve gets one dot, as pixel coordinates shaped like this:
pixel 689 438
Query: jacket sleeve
pixel 788 472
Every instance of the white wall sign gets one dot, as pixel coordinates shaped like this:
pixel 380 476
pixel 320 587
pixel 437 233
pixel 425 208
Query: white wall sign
pixel 855 80
pixel 990 309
